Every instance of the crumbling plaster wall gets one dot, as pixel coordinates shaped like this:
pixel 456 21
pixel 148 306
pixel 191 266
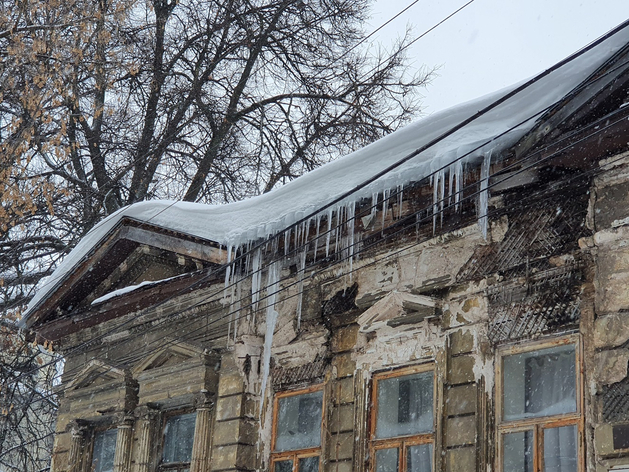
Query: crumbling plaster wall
pixel 607 376
pixel 453 342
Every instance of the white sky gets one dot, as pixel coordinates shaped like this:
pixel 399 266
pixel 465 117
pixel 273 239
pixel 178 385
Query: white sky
pixel 493 43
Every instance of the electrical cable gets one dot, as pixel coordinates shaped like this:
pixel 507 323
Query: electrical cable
pixel 408 157
pixel 552 156
pixel 51 279
pixel 219 269
pixel 376 243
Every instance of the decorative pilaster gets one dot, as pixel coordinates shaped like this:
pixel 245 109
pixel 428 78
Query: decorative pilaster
pixel 122 457
pixel 77 445
pixel 145 426
pixel 200 461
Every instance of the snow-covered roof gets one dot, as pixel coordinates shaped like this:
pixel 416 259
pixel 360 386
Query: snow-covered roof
pixel 237 223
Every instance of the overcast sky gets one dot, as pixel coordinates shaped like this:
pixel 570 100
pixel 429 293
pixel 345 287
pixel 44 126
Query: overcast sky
pixel 493 43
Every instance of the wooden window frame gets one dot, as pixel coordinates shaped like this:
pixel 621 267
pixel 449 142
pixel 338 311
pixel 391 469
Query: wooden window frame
pixel 401 442
pixel 101 429
pixel 296 454
pixel 173 466
pixel 539 424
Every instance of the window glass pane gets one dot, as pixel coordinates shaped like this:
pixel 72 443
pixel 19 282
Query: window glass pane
pixel 299 421
pixel 178 438
pixel 104 449
pixel 284 466
pixel 560 449
pixel 387 460
pixel 419 458
pixel 309 464
pixel 517 452
pixel 405 405
pixel 539 383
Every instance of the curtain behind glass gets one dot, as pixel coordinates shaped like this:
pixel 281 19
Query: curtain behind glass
pixel 405 405
pixel 539 383
pixel 299 421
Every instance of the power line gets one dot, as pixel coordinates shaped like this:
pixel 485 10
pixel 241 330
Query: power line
pixel 501 171
pixel 408 217
pixel 305 219
pixel 364 75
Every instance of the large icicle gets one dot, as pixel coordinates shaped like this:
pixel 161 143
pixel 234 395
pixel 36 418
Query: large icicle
pixel 272 286
pixel 374 205
pixel 329 233
pixel 316 241
pixel 228 272
pixel 458 183
pixel 351 210
pixel 442 194
pixel 435 200
pixel 256 277
pixel 300 286
pixel 483 197
pixel 287 241
pixel 385 205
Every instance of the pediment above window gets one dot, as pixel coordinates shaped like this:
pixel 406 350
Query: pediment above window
pixel 398 308
pixel 174 353
pixel 97 373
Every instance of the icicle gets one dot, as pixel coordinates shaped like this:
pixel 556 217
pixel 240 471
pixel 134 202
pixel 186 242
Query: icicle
pixel 400 200
pixel 442 193
pixel 458 173
pixel 339 220
pixel 236 306
pixel 483 197
pixel 385 205
pixel 256 277
pixel 248 258
pixel 329 234
pixel 351 209
pixel 450 182
pixel 229 266
pixel 435 199
pixel 316 241
pixel 275 245
pixel 227 280
pixel 300 287
pixel 374 205
pixel 272 286
pixel 232 289
pixel 286 241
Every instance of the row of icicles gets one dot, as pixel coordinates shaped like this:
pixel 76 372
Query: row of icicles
pixel 340 240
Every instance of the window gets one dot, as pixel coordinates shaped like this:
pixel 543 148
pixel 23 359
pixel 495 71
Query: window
pixel 178 439
pixel 297 420
pixel 539 422
pixel 103 450
pixel 402 420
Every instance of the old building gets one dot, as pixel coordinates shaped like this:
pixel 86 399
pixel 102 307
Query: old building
pixel 451 298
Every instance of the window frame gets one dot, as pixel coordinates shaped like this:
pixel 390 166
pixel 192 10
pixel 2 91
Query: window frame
pixel 174 466
pixel 95 432
pixel 296 454
pixel 539 424
pixel 406 441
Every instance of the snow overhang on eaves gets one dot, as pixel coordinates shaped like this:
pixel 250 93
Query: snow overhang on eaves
pixel 458 135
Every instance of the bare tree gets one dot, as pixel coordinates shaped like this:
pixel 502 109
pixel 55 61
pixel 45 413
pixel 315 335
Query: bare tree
pixel 27 404
pixel 202 100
